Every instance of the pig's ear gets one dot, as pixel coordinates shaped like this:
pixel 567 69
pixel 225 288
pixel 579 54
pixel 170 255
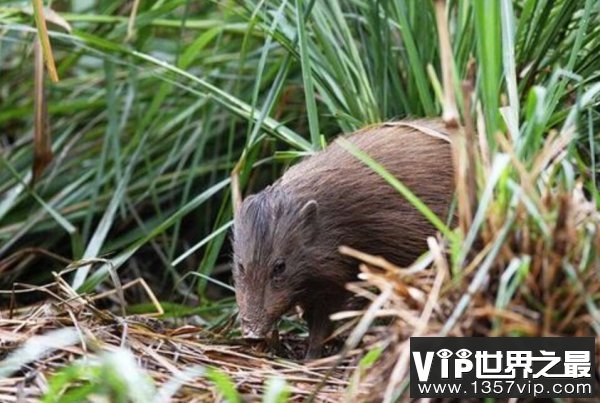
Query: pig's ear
pixel 310 210
pixel 310 217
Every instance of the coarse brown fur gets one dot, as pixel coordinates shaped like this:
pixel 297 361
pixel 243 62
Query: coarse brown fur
pixel 286 238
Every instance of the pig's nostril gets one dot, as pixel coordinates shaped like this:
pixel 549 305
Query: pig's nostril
pixel 251 334
pixel 249 331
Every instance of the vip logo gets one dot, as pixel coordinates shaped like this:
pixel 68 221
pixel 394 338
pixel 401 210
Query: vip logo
pixel 502 366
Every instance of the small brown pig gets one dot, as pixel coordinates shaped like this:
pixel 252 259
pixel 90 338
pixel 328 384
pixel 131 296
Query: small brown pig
pixel 286 238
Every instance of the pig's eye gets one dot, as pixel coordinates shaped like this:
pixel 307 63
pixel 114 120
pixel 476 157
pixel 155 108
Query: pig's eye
pixel 278 268
pixel 240 268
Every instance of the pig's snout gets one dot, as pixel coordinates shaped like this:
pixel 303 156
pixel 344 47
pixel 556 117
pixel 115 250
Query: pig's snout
pixel 248 333
pixel 252 330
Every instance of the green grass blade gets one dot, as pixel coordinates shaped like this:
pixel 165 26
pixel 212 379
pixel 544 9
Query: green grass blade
pixel 399 186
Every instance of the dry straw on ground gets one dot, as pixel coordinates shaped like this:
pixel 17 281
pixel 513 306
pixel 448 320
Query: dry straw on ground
pixel 176 356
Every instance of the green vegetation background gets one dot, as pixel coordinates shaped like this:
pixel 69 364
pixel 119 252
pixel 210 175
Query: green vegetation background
pixel 156 106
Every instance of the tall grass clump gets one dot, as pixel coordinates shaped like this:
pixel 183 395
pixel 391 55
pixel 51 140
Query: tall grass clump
pixel 164 112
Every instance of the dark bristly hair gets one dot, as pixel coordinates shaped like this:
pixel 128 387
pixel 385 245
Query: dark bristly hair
pixel 286 238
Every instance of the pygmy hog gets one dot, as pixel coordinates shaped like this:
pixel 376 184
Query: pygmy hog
pixel 286 238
